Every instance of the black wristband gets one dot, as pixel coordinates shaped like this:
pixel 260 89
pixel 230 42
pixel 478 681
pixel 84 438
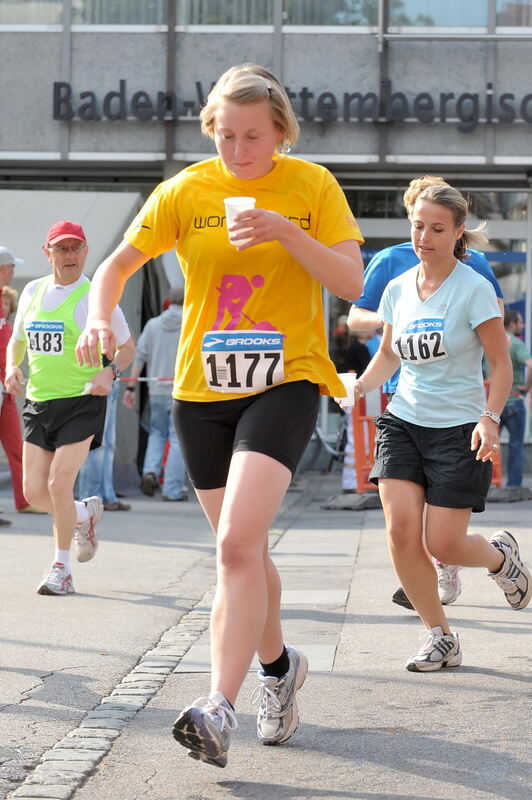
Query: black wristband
pixel 130 388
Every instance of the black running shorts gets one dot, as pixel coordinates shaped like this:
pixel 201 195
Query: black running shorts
pixel 67 420
pixel 277 423
pixel 439 459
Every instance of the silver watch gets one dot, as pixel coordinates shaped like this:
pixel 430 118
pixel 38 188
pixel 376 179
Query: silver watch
pixel 492 415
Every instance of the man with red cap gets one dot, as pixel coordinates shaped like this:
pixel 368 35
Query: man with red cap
pixel 64 410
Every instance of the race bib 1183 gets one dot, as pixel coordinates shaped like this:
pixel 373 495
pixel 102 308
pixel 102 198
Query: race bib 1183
pixel 46 337
pixel 242 361
pixel 421 342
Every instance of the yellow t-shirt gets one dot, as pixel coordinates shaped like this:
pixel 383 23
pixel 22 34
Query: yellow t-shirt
pixel 256 291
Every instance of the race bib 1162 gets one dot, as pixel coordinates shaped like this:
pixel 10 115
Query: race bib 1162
pixel 421 342
pixel 242 361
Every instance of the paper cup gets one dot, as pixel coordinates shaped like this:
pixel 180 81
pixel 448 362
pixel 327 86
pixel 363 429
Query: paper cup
pixel 348 379
pixel 234 205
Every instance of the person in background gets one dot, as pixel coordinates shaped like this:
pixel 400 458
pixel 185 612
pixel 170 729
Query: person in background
pixel 245 406
pixel 10 430
pixel 157 350
pixel 439 433
pixel 96 475
pixel 513 417
pixel 386 265
pixel 64 410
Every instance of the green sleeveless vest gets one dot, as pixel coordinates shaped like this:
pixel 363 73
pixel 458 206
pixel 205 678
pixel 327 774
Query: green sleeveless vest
pixel 51 338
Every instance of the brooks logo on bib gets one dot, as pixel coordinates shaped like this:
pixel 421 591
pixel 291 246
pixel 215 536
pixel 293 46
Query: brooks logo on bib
pixel 422 341
pixel 242 361
pixel 46 337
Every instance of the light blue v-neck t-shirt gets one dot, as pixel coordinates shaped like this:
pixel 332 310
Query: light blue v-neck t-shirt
pixel 441 383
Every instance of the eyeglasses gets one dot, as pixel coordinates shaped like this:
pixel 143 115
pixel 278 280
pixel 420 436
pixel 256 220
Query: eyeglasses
pixel 63 249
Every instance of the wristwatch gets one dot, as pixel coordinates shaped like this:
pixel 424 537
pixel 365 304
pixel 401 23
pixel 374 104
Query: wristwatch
pixel 114 369
pixel 492 415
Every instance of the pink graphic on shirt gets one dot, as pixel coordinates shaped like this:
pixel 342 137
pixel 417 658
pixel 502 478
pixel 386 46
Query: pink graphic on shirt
pixel 235 291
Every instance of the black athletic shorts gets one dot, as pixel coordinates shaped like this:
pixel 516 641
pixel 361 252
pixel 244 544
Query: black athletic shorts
pixel 439 459
pixel 277 423
pixel 67 420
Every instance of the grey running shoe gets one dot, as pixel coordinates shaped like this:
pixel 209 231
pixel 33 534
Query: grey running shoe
pixel 513 577
pixel 449 584
pixel 85 535
pixel 278 717
pixel 56 580
pixel 440 650
pixel 205 729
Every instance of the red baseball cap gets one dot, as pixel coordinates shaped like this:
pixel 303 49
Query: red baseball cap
pixel 64 229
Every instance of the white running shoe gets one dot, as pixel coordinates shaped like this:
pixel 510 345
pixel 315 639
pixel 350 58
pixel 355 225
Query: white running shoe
pixel 513 577
pixel 449 584
pixel 440 650
pixel 278 716
pixel 85 534
pixel 205 729
pixel 56 580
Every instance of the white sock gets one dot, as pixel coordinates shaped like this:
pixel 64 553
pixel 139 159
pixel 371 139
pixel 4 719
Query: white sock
pixel 82 512
pixel 62 557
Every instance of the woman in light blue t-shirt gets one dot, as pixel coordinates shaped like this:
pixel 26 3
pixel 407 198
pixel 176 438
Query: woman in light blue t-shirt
pixel 437 437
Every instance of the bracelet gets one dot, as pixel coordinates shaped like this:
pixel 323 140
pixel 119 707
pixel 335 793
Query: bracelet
pixel 130 388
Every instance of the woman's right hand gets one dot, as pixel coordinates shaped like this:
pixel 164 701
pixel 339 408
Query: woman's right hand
pixel 97 333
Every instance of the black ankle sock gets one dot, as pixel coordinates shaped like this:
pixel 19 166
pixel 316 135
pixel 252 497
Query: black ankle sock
pixel 279 667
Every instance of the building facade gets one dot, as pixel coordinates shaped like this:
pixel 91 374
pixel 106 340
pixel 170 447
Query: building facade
pixel 101 97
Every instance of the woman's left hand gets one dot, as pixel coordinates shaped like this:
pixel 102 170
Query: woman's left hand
pixel 485 434
pixel 255 226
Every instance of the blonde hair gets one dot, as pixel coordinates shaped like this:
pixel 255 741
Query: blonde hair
pixel 416 186
pixel 251 83
pixel 11 295
pixel 449 197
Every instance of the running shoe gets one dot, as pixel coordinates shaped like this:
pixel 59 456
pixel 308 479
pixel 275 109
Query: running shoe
pixel 56 580
pixel 149 484
pixel 439 650
pixel 449 584
pixel 400 599
pixel 85 534
pixel 278 716
pixel 205 729
pixel 513 577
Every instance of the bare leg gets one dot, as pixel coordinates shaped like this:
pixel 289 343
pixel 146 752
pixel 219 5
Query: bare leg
pixel 403 503
pixel 449 541
pixel 246 609
pixel 49 480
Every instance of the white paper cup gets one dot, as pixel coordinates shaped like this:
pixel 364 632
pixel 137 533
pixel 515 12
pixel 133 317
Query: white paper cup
pixel 348 379
pixel 234 205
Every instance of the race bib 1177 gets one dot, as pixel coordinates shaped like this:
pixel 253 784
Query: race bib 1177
pixel 242 361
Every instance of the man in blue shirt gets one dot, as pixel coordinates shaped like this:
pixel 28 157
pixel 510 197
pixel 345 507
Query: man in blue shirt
pixel 385 265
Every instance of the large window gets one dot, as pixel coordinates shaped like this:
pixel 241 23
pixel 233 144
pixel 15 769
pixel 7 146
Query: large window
pixel 119 12
pixel 224 12
pixel 428 13
pixel 30 12
pixel 514 13
pixel 333 12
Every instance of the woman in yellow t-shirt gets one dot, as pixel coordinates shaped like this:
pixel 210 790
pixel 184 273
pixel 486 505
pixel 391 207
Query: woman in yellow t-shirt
pixel 251 364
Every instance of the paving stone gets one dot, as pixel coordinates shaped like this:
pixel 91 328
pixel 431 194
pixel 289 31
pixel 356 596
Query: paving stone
pixel 125 691
pixel 93 733
pixel 73 743
pixel 52 792
pixel 126 705
pixel 64 767
pixel 74 754
pixel 111 713
pixel 102 722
